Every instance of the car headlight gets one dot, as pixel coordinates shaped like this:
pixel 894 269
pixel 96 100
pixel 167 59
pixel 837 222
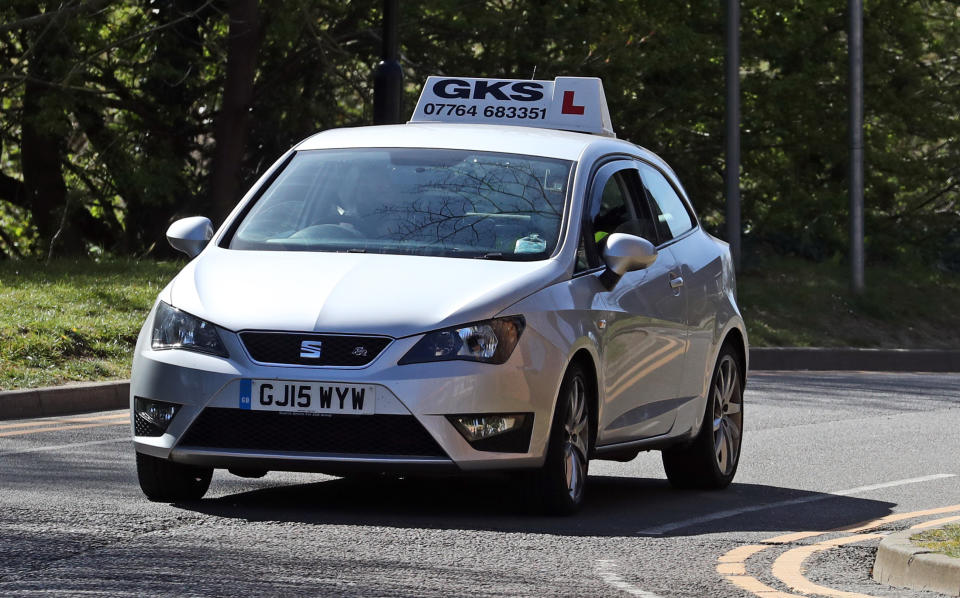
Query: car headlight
pixel 491 341
pixel 175 329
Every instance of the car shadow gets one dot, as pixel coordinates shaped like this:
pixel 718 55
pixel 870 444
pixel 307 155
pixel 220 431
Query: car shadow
pixel 615 506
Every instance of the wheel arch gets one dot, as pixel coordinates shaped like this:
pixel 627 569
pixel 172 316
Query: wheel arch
pixel 735 339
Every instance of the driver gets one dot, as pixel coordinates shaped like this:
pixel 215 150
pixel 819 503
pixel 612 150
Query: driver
pixel 363 195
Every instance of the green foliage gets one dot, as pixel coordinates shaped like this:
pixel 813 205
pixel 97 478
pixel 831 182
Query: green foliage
pixel 108 109
pixel 17 237
pixel 796 135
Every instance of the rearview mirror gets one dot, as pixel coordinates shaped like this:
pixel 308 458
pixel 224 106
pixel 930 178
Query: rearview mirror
pixel 624 253
pixel 190 235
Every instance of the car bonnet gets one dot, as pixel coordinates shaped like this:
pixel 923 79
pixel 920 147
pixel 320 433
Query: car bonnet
pixel 351 293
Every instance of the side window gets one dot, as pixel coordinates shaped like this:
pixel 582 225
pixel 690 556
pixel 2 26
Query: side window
pixel 614 210
pixel 671 213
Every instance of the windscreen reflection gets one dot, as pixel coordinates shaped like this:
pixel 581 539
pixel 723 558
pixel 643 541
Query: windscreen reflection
pixel 440 202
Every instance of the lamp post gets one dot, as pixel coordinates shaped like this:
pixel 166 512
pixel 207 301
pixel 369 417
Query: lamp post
pixel 855 49
pixel 732 117
pixel 388 76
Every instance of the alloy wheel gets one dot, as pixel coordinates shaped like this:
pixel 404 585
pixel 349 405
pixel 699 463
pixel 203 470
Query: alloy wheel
pixel 727 414
pixel 576 435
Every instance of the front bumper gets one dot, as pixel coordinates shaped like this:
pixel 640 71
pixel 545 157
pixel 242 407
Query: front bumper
pixel 209 429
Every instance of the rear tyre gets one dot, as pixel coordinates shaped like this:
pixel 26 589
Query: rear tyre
pixel 165 481
pixel 710 461
pixel 559 485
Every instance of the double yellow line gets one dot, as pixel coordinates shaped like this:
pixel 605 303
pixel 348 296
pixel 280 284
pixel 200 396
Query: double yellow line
pixel 60 424
pixel 789 566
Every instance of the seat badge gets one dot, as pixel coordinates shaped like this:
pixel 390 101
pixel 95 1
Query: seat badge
pixel 310 349
pixel 359 351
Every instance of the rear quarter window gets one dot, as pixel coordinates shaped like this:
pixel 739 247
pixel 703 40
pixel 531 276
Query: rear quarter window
pixel 673 214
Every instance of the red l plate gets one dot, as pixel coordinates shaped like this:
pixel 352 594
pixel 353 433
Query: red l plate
pixel 568 106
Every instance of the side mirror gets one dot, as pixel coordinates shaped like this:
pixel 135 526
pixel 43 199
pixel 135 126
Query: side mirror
pixel 624 253
pixel 190 235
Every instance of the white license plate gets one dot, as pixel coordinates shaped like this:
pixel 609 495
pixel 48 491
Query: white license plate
pixel 307 397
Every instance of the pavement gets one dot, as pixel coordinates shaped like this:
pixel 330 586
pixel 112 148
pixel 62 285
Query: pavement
pixel 851 359
pixel 903 564
pixel 63 400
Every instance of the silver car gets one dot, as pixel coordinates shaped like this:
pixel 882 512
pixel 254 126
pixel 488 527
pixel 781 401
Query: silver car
pixel 443 297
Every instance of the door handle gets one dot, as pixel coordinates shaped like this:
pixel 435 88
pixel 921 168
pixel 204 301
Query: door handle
pixel 676 282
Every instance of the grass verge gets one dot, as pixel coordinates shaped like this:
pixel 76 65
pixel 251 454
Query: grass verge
pixel 944 540
pixel 795 303
pixel 79 320
pixel 73 320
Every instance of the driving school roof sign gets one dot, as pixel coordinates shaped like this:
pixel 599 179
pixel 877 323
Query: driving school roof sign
pixel 568 103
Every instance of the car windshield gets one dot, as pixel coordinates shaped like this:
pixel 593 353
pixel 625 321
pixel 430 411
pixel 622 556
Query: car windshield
pixel 452 203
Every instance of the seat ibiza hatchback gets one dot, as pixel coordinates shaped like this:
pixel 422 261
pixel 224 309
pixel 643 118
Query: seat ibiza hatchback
pixel 499 284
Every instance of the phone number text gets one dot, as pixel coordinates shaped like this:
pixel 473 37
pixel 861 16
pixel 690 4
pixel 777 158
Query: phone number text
pixel 431 108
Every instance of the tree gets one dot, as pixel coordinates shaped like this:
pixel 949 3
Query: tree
pixel 118 117
pixel 231 129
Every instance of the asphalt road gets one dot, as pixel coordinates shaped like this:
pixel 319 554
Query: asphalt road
pixel 822 451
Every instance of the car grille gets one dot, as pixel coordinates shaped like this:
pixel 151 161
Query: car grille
pixel 335 350
pixel 400 435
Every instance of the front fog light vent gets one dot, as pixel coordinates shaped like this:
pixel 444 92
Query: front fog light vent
pixel 151 418
pixel 505 433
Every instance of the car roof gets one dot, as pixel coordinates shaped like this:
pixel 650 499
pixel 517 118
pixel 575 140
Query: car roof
pixel 547 143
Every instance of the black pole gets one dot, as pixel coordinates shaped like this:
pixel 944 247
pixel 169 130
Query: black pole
pixel 732 166
pixel 388 76
pixel 855 43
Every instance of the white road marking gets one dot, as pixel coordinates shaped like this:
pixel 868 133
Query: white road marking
pixel 669 527
pixel 862 489
pixel 607 574
pixel 65 446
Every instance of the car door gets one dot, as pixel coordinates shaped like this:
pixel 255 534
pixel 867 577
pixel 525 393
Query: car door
pixel 642 342
pixel 700 267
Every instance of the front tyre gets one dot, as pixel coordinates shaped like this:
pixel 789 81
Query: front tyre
pixel 165 481
pixel 711 460
pixel 559 485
